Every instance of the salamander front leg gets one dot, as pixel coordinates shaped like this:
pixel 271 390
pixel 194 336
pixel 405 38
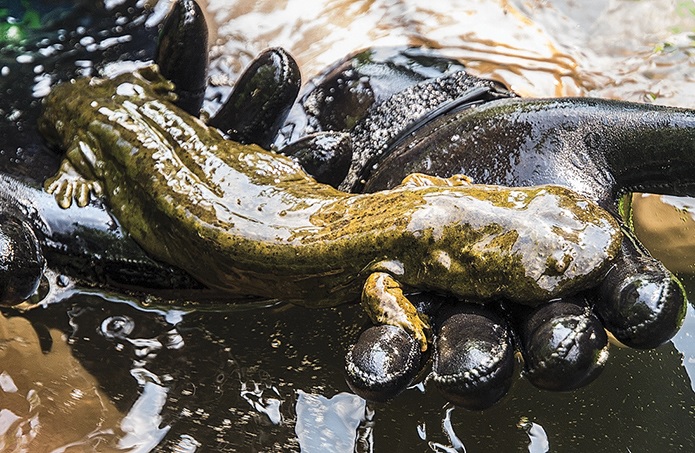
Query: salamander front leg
pixel 387 357
pixel 69 184
pixel 384 302
pixel 75 178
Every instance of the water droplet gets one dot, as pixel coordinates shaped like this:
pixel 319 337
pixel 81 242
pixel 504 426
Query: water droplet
pixel 62 281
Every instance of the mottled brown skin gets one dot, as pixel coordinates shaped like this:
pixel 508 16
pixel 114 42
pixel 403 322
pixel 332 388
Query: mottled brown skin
pixel 252 222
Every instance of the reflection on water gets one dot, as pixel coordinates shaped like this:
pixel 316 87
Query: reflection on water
pixel 99 373
pixel 624 49
pixel 40 391
pixel 659 217
pixel 266 380
pixel 328 424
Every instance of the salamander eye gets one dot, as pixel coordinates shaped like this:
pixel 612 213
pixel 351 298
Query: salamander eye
pixel 157 82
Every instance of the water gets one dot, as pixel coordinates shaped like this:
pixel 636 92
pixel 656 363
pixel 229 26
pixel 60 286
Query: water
pixel 102 372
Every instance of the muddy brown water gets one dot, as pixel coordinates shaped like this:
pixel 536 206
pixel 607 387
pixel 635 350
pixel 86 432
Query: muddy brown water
pixel 101 372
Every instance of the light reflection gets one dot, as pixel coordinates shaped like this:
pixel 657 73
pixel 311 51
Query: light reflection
pixel 455 444
pixel 142 423
pixel 264 398
pixel 536 434
pixel 685 343
pixel 329 424
pixel 186 444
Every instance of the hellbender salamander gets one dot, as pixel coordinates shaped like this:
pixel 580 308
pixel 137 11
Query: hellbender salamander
pixel 250 221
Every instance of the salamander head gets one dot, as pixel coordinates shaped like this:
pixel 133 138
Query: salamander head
pixel 69 107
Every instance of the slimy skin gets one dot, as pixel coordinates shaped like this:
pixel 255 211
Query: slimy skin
pixel 248 221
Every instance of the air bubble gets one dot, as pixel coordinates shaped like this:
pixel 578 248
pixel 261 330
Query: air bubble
pixel 119 326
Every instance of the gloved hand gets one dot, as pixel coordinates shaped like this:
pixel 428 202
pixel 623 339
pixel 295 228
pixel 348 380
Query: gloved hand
pixel 458 124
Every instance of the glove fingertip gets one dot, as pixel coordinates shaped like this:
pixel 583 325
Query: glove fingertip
pixel 382 363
